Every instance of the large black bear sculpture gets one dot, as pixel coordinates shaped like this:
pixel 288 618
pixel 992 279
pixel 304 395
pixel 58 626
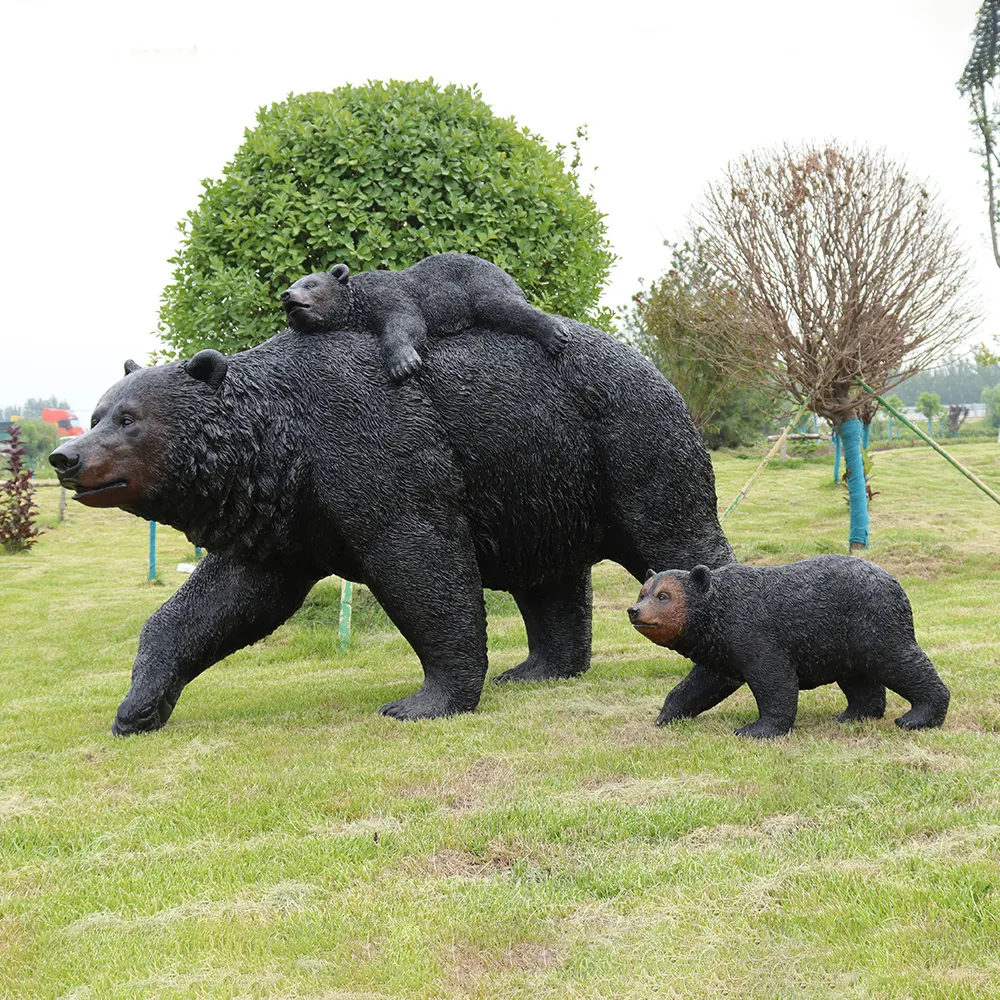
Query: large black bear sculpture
pixel 499 467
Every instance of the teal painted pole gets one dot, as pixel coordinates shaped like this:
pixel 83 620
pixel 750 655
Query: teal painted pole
pixel 850 432
pixel 198 552
pixel 866 433
pixel 152 550
pixel 836 457
pixel 344 628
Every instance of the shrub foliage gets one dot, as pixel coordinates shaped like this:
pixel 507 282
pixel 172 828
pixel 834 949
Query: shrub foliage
pixel 17 499
pixel 378 176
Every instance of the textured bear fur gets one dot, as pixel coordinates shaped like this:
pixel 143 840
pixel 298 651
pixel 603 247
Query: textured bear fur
pixel 498 468
pixel 442 294
pixel 830 619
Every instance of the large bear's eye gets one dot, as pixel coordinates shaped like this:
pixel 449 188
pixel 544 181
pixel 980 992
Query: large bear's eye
pixel 127 421
pixel 310 284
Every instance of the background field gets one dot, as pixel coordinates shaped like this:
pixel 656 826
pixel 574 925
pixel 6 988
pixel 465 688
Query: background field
pixel 280 839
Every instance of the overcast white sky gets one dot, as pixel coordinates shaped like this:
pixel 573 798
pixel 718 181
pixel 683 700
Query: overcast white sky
pixel 115 112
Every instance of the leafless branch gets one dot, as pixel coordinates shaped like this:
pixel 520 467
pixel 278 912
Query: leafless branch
pixel 831 265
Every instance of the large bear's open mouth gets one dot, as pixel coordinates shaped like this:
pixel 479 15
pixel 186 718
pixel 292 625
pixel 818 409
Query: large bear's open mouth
pixel 292 306
pixel 84 493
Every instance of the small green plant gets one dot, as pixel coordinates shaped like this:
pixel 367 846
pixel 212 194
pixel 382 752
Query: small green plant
pixel 17 499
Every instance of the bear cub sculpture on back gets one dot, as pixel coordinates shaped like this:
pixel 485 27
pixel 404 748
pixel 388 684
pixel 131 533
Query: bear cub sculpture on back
pixel 781 629
pixel 442 294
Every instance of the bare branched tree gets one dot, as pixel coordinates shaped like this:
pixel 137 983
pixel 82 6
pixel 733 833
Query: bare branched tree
pixel 844 267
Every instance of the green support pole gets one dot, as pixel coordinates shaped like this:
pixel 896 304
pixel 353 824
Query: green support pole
pixel 152 550
pixel 916 430
pixel 344 628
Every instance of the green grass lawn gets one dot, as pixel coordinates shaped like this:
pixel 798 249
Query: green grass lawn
pixel 280 839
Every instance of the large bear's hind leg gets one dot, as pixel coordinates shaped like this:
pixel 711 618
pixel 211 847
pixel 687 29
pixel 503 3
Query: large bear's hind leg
pixel 223 606
pixel 557 617
pixel 428 583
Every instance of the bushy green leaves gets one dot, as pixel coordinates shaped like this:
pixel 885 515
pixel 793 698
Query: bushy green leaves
pixel 378 176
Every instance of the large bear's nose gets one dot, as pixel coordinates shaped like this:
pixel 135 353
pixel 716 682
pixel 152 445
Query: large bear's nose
pixel 65 460
pixel 633 612
pixel 284 295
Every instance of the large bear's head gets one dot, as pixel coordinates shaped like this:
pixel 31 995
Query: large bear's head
pixel 666 602
pixel 139 428
pixel 319 301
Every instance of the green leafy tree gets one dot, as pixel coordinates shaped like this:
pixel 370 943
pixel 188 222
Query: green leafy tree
pixel 929 404
pixel 379 176
pixel 38 439
pixel 31 409
pixel 977 84
pixel 991 397
pixel 667 323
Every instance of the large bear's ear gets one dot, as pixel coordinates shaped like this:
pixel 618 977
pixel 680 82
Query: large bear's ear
pixel 341 272
pixel 650 573
pixel 701 577
pixel 131 366
pixel 208 366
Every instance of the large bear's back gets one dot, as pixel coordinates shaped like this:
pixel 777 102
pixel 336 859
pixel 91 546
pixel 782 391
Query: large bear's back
pixel 536 449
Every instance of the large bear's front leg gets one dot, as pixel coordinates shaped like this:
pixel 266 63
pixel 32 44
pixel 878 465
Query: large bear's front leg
pixel 427 580
pixel 223 606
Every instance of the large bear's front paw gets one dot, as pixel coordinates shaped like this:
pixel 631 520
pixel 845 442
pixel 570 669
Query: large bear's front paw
pixel 764 729
pixel 138 714
pixel 670 713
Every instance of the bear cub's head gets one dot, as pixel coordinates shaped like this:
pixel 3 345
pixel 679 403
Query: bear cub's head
pixel 319 301
pixel 661 612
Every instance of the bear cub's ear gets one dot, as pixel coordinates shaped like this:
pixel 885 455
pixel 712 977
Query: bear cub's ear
pixel 341 272
pixel 208 366
pixel 131 366
pixel 701 577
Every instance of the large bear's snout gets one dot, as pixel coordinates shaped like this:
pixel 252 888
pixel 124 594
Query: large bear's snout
pixel 65 460
pixel 633 612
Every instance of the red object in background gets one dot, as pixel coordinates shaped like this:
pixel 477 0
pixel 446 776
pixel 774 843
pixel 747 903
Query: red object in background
pixel 69 426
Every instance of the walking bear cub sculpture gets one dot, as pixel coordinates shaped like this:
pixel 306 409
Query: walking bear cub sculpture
pixel 442 294
pixel 830 619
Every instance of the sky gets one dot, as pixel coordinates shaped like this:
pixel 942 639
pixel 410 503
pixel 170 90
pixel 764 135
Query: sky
pixel 114 113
